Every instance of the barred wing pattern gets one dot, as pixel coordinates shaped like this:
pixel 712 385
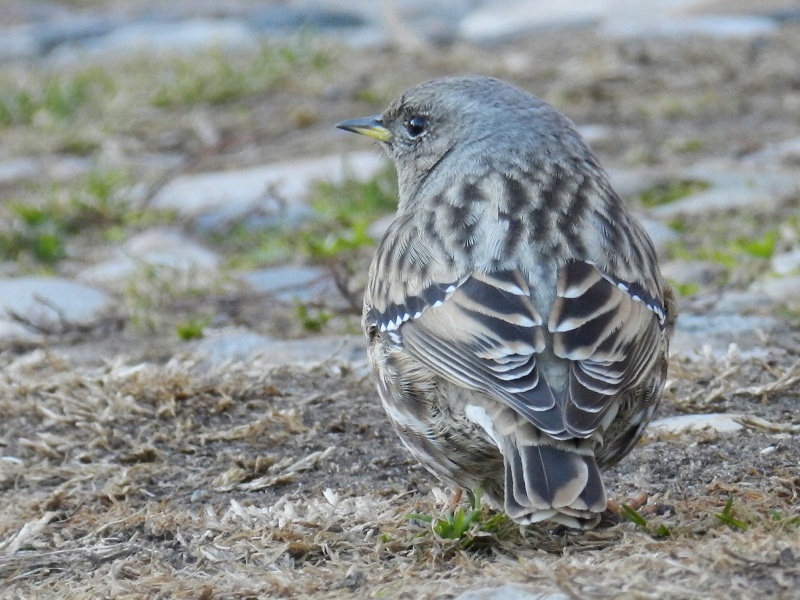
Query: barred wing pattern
pixel 611 332
pixel 484 333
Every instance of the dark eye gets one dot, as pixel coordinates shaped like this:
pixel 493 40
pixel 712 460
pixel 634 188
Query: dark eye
pixel 416 125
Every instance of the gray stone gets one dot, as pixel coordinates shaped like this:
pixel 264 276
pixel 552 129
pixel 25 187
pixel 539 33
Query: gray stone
pixel 511 591
pixel 288 19
pixel 785 290
pixel 48 303
pixel 287 284
pixel 595 133
pixel 725 176
pixel 492 23
pixel 741 302
pixel 75 28
pixel 19 41
pixel 184 37
pixel 230 347
pixel 719 422
pixel 377 229
pixel 787 152
pixel 661 234
pixel 217 350
pixel 716 200
pixel 18 169
pixel 272 213
pixel 162 248
pixel 717 26
pixel 630 183
pixel 699 335
pixel 692 271
pixel 235 194
pixel 67 167
pixel 786 263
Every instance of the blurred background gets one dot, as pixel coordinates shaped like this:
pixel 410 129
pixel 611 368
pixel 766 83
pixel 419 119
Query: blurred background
pixel 171 170
pixel 185 406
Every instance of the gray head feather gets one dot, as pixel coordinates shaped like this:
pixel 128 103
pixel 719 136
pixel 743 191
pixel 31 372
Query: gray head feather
pixel 457 127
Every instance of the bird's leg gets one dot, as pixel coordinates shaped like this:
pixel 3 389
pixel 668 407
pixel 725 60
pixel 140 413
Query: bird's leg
pixel 635 503
pixel 454 500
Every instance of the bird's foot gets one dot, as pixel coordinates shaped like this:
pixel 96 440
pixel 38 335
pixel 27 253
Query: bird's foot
pixel 454 500
pixel 634 503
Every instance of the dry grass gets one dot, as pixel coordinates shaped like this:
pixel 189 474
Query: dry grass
pixel 138 480
pixel 128 471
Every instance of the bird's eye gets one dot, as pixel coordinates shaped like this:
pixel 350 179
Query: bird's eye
pixel 416 125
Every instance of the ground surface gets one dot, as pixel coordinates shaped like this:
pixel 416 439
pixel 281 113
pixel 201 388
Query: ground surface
pixel 130 468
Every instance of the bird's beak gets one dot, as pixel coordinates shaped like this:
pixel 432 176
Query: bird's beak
pixel 370 126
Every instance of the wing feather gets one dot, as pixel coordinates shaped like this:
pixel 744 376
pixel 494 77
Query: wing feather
pixel 483 332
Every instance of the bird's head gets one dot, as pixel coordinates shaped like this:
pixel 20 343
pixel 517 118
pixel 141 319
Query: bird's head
pixel 461 126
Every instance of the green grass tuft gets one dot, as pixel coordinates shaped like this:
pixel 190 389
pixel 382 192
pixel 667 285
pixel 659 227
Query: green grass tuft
pixel 634 517
pixel 219 78
pixel 727 516
pixel 470 527
pixel 192 329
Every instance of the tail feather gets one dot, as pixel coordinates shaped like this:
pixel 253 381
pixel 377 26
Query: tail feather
pixel 545 481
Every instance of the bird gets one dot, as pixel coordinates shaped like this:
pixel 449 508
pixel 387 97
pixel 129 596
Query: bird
pixel 517 321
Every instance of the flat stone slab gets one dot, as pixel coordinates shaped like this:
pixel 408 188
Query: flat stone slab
pixel 511 591
pixel 716 26
pixel 234 194
pixel 716 200
pixel 301 284
pixel 226 347
pixel 49 303
pixel 719 422
pixel 163 248
pixel 784 290
pixel 184 37
pixel 696 334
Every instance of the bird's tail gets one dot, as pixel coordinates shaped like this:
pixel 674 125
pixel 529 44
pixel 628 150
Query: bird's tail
pixel 551 480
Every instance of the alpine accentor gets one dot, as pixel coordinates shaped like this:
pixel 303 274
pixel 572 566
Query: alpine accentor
pixel 518 323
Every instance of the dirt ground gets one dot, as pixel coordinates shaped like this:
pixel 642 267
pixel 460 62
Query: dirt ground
pixel 128 471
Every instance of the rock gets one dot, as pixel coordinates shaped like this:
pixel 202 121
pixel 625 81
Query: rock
pixel 377 229
pixel 183 37
pixel 303 284
pixel 72 29
pixel 716 200
pixel 287 19
pixel 777 184
pixel 18 169
pixel 719 422
pixel 163 248
pixel 692 271
pixel 741 302
pixel 717 26
pixel 785 290
pixel 230 347
pixel 226 196
pixel 50 304
pixel 67 167
pixel 19 41
pixel 511 591
pixel 697 335
pixel 787 152
pixel 216 350
pixel 786 262
pixel 271 214
pixel 595 133
pixel 629 183
pixel 661 234
pixel 491 23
